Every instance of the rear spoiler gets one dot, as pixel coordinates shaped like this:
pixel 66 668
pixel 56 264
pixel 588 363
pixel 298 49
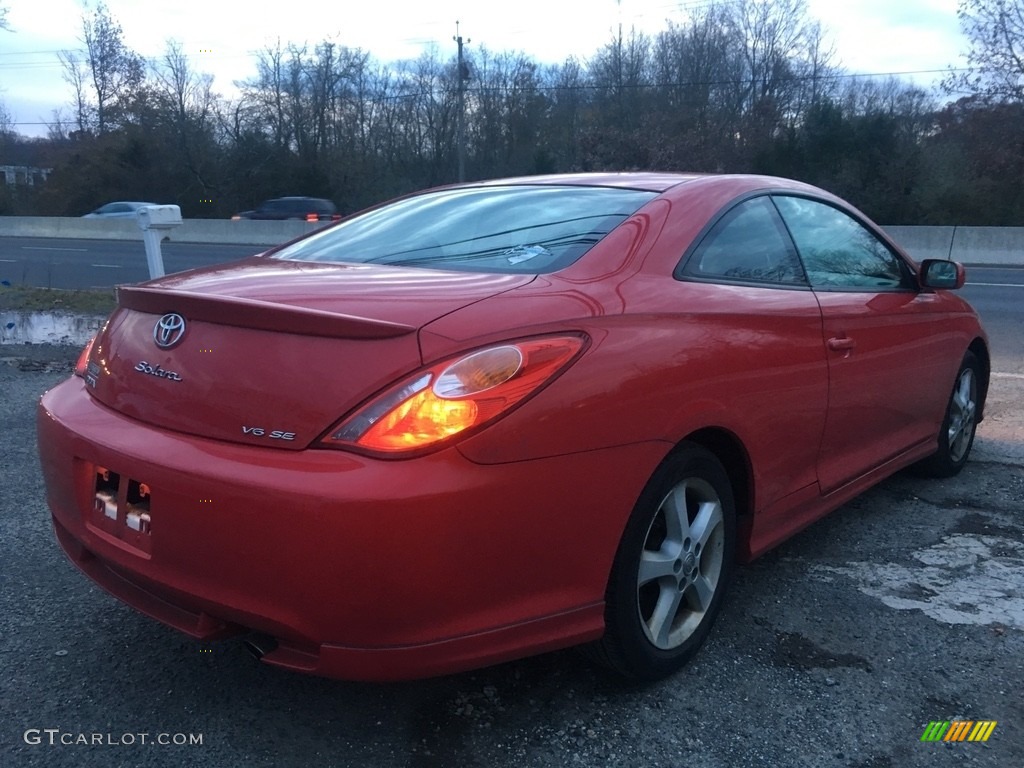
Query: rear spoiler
pixel 253 313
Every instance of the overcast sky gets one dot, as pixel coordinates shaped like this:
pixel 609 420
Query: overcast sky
pixel 870 36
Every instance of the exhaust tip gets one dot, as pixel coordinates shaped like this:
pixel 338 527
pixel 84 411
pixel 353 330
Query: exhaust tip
pixel 259 645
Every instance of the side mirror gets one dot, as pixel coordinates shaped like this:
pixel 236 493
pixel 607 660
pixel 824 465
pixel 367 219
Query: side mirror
pixel 941 274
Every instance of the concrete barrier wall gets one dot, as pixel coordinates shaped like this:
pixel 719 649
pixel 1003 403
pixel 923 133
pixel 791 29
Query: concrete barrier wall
pixel 970 245
pixel 190 231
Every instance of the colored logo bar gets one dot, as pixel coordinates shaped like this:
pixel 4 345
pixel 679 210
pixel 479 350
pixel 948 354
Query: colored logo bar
pixel 958 730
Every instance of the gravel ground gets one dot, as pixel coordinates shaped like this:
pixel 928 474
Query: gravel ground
pixel 836 649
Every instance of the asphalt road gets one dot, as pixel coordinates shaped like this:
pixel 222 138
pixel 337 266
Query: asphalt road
pixel 998 295
pixel 838 648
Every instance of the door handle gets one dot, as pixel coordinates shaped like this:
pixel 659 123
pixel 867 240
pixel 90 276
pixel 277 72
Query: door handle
pixel 841 343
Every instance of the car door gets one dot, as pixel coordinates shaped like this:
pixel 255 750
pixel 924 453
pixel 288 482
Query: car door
pixel 886 359
pixel 763 323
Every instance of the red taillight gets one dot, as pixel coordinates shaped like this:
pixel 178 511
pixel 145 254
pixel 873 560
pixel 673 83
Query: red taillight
pixel 454 396
pixel 312 217
pixel 83 358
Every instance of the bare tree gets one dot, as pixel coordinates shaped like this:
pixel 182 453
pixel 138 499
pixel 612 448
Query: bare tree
pixel 108 80
pixel 564 124
pixel 430 100
pixel 60 127
pixel 76 75
pixel 621 76
pixel 7 134
pixel 506 112
pixel 181 89
pixel 816 68
pixel 698 65
pixel 6 124
pixel 186 105
pixel 266 94
pixel 364 89
pixel 115 69
pixel 995 34
pixel 776 34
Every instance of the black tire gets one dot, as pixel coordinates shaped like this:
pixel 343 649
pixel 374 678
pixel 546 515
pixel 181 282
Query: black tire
pixel 959 425
pixel 659 607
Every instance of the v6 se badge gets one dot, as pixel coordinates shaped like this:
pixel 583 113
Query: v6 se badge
pixel 273 434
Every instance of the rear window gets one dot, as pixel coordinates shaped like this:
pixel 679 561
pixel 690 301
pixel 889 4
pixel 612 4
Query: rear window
pixel 516 229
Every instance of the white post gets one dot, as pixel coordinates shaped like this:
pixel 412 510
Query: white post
pixel 154 221
pixel 155 259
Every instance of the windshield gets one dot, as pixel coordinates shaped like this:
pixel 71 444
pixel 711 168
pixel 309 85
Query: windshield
pixel 515 229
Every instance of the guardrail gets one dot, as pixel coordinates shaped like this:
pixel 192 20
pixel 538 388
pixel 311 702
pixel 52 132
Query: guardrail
pixel 970 245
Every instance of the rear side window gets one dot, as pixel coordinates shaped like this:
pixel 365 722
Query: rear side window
pixel 838 251
pixel 748 244
pixel 513 229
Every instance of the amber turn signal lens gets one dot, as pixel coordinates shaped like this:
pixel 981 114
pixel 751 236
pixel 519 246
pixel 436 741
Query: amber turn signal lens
pixel 83 358
pixel 422 419
pixel 455 396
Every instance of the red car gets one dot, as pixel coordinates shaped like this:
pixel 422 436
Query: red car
pixel 492 420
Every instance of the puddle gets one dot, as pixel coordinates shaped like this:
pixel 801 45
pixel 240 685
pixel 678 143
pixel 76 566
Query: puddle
pixel 47 328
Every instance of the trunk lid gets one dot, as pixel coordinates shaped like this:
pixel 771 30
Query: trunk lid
pixel 269 352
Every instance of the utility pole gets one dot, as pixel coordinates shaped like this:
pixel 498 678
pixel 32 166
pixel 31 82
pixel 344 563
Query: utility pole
pixel 460 125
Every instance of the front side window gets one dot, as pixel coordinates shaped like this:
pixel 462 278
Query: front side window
pixel 748 244
pixel 838 251
pixel 514 229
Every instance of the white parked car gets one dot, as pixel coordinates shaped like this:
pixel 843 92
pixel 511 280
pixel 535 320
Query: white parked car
pixel 118 210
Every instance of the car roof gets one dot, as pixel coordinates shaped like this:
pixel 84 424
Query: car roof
pixel 656 181
pixel 647 180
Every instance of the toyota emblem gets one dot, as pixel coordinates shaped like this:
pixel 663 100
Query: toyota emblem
pixel 169 330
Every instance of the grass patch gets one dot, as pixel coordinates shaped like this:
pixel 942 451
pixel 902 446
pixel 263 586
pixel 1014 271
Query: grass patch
pixel 22 298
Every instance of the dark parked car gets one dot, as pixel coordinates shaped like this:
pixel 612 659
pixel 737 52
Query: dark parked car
pixel 501 418
pixel 280 208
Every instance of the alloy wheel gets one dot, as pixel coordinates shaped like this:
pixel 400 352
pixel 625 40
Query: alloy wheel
pixel 681 563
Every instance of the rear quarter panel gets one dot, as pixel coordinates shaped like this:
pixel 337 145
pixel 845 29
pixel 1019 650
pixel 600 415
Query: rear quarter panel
pixel 666 357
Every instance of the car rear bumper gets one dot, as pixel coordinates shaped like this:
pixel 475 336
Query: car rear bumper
pixel 359 568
